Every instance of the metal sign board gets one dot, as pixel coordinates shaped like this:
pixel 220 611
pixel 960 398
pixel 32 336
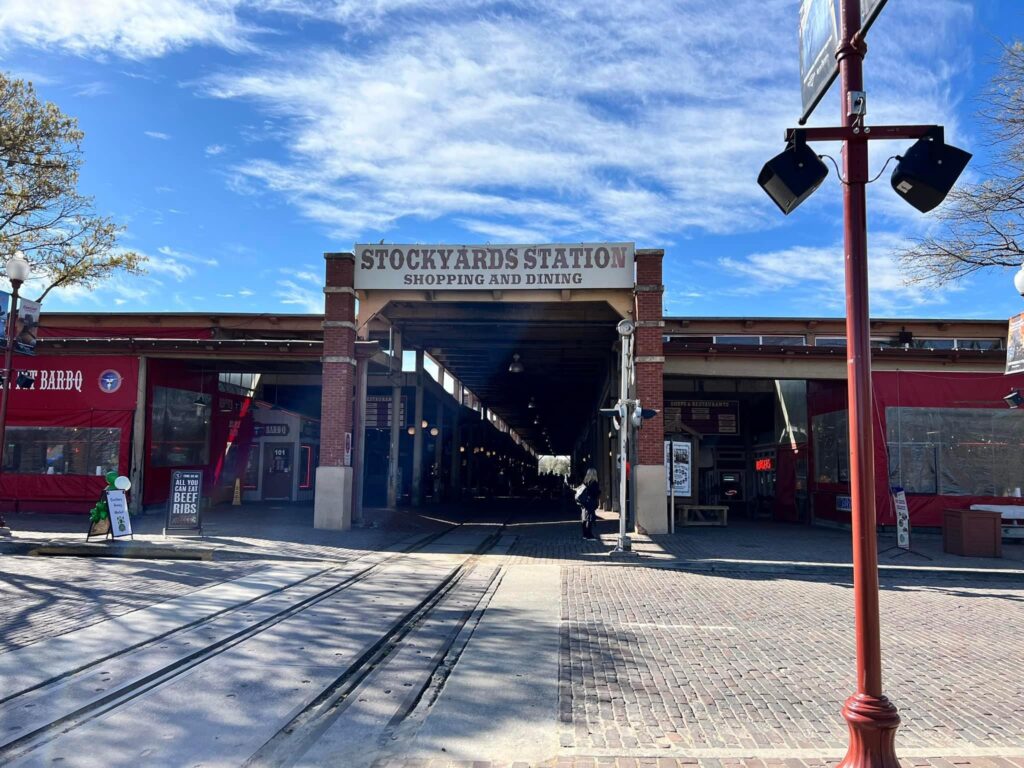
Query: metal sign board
pixel 678 467
pixel 819 38
pixel 494 267
pixel 1015 345
pixel 184 505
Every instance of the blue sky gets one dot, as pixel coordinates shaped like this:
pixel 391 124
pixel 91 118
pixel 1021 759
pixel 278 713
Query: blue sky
pixel 237 140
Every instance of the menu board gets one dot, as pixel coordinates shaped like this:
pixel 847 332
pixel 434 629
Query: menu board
pixel 678 467
pixel 707 417
pixel 117 508
pixel 185 501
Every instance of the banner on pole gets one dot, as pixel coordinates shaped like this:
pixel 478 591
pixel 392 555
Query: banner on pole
pixel 819 39
pixel 27 328
pixel 1015 345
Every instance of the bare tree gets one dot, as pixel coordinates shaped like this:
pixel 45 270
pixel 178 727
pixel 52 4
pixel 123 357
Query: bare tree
pixel 41 211
pixel 980 225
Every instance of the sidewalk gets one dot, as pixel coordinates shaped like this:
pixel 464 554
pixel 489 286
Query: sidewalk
pixel 250 531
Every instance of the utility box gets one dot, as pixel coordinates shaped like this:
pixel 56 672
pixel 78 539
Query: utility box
pixel 972 533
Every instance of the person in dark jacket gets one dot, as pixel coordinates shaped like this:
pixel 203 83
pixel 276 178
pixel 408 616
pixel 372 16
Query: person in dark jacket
pixel 588 497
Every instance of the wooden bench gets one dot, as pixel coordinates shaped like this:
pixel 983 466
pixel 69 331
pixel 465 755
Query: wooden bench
pixel 702 514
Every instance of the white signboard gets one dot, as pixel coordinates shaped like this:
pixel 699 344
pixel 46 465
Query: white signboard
pixel 678 467
pixel 902 518
pixel 117 507
pixel 494 267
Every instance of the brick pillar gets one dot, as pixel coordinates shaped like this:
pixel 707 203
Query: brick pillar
pixel 332 506
pixel 649 358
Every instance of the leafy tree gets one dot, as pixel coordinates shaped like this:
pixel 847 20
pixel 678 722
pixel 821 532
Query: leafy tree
pixel 41 211
pixel 980 225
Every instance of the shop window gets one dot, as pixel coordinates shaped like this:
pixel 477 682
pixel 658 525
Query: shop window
pixel 62 450
pixel 180 428
pixel 979 344
pixel 753 340
pixel 918 343
pixel 783 341
pixel 831 447
pixel 956 451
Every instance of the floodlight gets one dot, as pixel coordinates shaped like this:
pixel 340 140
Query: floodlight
pixel 929 169
pixel 1015 399
pixel 791 177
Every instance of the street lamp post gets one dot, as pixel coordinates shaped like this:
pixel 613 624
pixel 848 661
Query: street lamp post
pixel 18 270
pixel 871 717
pixel 625 329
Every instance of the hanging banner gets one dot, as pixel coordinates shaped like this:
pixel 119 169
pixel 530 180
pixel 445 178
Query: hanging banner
pixel 902 518
pixel 819 39
pixel 494 267
pixel 869 10
pixel 5 307
pixel 1015 345
pixel 184 505
pixel 117 508
pixel 27 327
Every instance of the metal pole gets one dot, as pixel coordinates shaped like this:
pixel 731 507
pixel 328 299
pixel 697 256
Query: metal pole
pixel 12 317
pixel 624 544
pixel 872 719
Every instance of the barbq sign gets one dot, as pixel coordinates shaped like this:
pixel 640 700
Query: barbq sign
pixel 494 267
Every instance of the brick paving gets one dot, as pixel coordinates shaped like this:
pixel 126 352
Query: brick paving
pixel 657 659
pixel 43 597
pixel 693 762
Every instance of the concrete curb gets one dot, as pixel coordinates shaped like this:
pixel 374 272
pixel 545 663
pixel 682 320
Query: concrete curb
pixel 126 549
pixel 841 570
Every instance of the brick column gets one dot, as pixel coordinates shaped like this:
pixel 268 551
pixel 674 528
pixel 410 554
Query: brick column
pixel 333 502
pixel 649 358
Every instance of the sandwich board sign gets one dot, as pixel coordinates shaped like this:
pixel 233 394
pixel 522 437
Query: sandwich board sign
pixel 902 518
pixel 184 504
pixel 117 508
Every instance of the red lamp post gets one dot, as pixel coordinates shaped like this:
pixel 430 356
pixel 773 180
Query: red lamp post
pixel 923 177
pixel 18 271
pixel 871 717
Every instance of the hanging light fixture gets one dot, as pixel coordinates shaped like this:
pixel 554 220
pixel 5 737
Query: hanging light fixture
pixel 533 403
pixel 516 366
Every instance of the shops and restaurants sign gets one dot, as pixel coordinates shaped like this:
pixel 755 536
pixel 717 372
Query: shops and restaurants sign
pixel 494 267
pixel 707 417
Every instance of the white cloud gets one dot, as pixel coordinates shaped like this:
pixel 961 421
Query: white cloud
pixel 133 29
pixel 160 135
pixel 307 299
pixel 634 120
pixel 181 256
pixel 93 89
pixel 812 278
pixel 215 149
pixel 246 292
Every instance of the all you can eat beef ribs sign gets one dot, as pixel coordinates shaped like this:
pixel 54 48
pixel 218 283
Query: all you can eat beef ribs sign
pixel 494 267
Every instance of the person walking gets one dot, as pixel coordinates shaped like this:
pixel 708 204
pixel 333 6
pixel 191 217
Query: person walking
pixel 587 497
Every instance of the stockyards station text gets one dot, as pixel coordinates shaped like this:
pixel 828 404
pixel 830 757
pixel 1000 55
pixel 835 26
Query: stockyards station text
pixel 487 266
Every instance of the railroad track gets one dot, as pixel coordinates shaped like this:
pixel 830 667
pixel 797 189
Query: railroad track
pixel 215 635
